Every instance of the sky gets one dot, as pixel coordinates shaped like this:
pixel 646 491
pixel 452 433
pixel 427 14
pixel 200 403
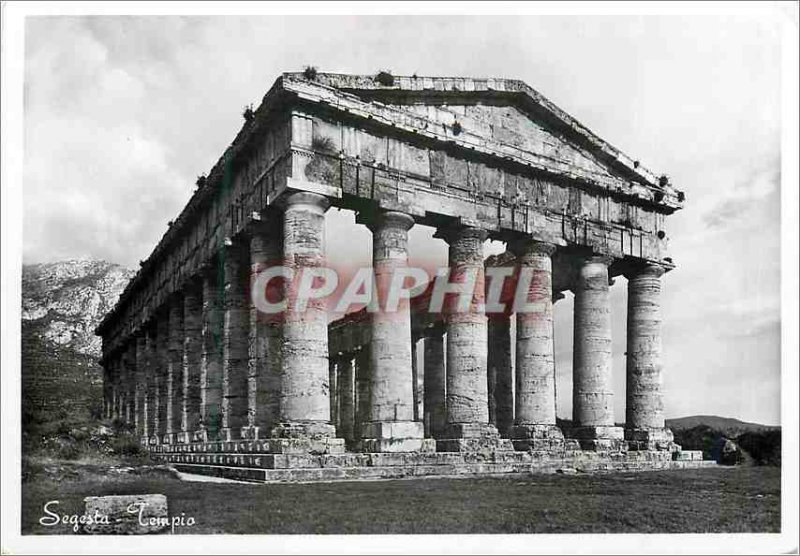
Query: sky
pixel 123 113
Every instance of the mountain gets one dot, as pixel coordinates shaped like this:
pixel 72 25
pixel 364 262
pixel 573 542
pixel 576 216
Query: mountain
pixel 66 300
pixel 725 425
pixel 62 303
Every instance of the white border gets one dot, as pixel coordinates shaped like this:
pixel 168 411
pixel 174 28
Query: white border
pixel 13 15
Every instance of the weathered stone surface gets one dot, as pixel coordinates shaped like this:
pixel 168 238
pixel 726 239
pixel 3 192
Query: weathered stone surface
pixel 391 425
pixel 127 515
pixel 644 404
pixel 174 385
pixel 535 364
pixel 304 351
pixel 593 392
pixel 194 379
pixel 264 353
pixel 235 342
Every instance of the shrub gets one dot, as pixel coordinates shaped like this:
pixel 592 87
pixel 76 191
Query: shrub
pixel 385 78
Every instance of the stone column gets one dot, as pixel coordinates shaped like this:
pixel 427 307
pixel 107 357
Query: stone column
pixel 501 373
pixel 435 406
pixel 333 363
pixel 140 400
pixel 468 426
pixel 304 409
pixel 129 361
pixel 391 426
pixel 363 383
pixel 264 370
pixel 592 386
pixel 644 408
pixel 190 363
pixel 415 379
pixel 161 371
pixel 152 402
pixel 535 408
pixel 235 343
pixel 174 386
pixel 206 330
pixel 346 393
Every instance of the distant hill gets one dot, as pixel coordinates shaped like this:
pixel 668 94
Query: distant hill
pixel 727 440
pixel 728 426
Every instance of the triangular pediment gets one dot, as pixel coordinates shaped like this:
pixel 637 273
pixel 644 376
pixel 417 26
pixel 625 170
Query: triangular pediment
pixel 503 118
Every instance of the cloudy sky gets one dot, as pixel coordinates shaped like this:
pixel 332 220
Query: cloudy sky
pixel 123 113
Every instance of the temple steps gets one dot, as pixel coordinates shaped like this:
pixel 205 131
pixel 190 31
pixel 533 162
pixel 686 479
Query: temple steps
pixel 270 468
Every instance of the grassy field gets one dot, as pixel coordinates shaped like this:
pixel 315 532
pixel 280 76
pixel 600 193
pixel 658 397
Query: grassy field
pixel 744 499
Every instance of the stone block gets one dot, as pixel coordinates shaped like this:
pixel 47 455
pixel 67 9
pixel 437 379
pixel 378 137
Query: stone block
pixel 322 445
pixel 687 455
pixel 598 433
pixel 126 515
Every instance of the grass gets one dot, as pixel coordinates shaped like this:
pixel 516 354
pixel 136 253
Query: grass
pixel 744 499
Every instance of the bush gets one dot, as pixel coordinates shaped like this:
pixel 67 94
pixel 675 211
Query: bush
pixel 126 445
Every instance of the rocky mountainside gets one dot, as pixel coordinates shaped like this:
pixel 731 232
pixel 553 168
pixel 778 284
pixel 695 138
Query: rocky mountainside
pixel 64 301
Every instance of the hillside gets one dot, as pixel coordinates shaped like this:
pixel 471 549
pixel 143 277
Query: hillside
pixel 62 303
pixel 728 426
pixel 67 299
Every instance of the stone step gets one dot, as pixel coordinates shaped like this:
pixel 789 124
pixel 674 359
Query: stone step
pixel 355 473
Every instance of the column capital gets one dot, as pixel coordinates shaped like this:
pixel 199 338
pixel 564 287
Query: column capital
pixel 313 202
pixel 385 218
pixel 595 258
pixel 645 268
pixel 527 245
pixel 455 232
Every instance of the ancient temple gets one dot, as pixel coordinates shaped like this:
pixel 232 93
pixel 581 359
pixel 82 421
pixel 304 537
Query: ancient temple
pixel 213 385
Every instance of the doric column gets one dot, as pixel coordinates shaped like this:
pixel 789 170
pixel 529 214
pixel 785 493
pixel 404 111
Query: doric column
pixel 468 426
pixel 304 409
pixel 333 381
pixel 205 328
pixel 235 342
pixel 391 425
pixel 363 383
pixel 435 406
pixel 345 366
pixel 644 408
pixel 415 379
pixel 129 362
pixel 161 369
pixel 152 400
pixel 264 369
pixel 500 372
pixel 190 362
pixel 140 400
pixel 592 386
pixel 535 408
pixel 174 386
